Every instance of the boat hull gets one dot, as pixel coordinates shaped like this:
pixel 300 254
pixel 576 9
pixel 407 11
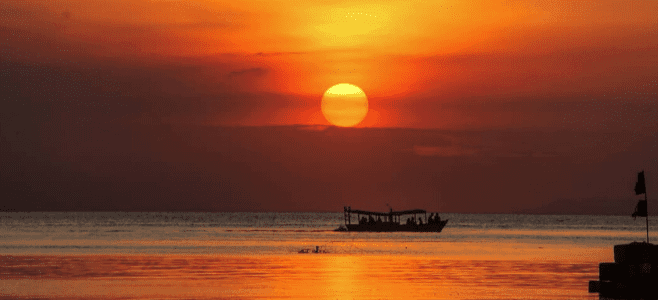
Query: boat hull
pixel 394 227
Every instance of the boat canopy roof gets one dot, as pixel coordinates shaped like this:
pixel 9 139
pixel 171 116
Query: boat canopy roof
pixel 395 213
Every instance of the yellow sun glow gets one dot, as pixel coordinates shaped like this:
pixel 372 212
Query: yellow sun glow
pixel 344 105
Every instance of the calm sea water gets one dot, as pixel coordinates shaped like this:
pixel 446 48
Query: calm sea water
pixel 116 255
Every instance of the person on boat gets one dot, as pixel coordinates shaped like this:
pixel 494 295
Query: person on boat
pixel 371 220
pixel 379 220
pixel 363 221
pixel 420 220
pixel 431 219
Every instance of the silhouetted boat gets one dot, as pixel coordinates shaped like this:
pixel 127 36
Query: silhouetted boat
pixel 391 221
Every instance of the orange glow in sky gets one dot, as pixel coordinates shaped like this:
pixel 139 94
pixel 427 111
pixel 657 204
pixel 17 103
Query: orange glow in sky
pixel 413 57
pixel 498 106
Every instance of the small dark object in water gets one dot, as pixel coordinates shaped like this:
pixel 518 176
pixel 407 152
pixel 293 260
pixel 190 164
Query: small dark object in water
pixel 317 250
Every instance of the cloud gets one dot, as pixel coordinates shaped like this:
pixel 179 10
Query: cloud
pixel 152 166
pixel 17 14
pixel 252 72
pixel 443 151
pixel 149 28
pixel 265 54
pixel 313 127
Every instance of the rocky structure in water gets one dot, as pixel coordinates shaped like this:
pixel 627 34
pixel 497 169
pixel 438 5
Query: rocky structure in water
pixel 633 275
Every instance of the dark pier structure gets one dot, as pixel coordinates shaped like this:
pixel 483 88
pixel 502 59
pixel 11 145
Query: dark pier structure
pixel 633 275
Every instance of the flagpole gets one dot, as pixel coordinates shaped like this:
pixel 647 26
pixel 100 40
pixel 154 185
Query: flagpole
pixel 641 188
pixel 646 199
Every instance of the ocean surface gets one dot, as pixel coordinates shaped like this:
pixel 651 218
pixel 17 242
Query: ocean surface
pixel 118 255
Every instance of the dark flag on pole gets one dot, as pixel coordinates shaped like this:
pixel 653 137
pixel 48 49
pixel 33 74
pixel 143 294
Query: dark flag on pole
pixel 641 209
pixel 639 186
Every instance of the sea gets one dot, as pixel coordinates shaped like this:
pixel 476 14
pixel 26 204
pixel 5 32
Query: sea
pixel 155 255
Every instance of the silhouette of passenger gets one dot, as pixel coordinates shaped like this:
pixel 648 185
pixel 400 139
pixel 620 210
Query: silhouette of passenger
pixel 420 221
pixel 371 220
pixel 364 220
pixel 379 220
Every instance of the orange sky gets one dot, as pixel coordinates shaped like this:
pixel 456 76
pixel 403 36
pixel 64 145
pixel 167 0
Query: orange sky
pixel 408 56
pixel 133 99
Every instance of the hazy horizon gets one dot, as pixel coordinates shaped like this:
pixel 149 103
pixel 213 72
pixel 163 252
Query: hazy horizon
pixel 260 168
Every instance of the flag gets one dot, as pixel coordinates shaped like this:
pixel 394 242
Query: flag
pixel 639 186
pixel 640 209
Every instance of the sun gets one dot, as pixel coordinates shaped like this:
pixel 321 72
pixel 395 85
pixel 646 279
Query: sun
pixel 344 105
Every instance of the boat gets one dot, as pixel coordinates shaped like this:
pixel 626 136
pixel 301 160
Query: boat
pixel 392 221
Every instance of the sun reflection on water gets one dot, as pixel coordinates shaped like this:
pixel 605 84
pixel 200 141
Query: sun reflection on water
pixel 303 276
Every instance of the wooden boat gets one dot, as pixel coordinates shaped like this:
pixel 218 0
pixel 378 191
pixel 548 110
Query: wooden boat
pixel 415 221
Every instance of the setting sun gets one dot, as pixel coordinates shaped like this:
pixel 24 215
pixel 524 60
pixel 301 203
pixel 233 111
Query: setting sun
pixel 344 105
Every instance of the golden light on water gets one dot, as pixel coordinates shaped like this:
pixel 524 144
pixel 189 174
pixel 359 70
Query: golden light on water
pixel 296 276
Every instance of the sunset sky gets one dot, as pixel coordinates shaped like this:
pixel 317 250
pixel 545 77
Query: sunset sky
pixel 473 106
